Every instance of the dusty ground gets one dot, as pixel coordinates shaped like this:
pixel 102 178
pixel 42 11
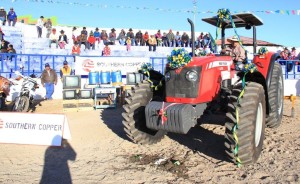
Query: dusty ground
pixel 100 152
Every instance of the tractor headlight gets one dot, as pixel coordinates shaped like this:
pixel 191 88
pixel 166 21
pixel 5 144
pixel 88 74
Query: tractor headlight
pixel 167 76
pixel 191 76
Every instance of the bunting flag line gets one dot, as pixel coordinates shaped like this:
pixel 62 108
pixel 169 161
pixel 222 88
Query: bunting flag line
pixel 104 6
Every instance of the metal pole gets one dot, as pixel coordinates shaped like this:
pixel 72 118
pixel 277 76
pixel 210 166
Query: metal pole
pixel 195 11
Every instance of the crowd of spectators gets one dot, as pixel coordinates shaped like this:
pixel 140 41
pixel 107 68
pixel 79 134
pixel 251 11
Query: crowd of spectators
pixel 289 58
pixel 11 19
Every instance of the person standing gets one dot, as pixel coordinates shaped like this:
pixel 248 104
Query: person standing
pixel 128 44
pixel 12 17
pixel 74 36
pixel 65 70
pixel 48 80
pixel 48 26
pixel 3 16
pixel 39 26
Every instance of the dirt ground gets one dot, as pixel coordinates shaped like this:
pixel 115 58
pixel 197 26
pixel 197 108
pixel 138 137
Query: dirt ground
pixel 100 152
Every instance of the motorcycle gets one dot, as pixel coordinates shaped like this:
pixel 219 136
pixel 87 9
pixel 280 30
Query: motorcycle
pixel 26 96
pixel 4 91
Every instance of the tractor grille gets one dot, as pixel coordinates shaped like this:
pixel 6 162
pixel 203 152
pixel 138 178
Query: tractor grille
pixel 179 86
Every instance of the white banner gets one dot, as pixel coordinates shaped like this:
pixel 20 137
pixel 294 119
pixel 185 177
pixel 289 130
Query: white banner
pixel 84 65
pixel 38 129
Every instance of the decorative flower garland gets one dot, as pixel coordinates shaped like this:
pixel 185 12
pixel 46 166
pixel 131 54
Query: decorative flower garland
pixel 263 51
pixel 179 58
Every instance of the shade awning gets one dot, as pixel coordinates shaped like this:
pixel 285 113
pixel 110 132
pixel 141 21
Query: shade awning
pixel 240 20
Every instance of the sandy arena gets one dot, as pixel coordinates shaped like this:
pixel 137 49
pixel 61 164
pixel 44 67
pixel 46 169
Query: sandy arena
pixel 100 152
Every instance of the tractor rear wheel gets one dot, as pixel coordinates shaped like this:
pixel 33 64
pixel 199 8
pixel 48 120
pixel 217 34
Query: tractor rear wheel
pixel 275 94
pixel 134 119
pixel 245 123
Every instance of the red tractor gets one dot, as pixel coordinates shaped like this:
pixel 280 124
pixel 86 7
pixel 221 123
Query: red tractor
pixel 252 100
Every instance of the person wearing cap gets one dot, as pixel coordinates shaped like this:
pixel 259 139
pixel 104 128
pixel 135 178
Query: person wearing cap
pixel 11 17
pixel 65 70
pixel 97 35
pixel 3 16
pixel 48 80
pixel 53 38
pixel 112 36
pixel 130 34
pixel 62 39
pixel 237 53
pixel 48 26
pixel 293 53
pixel 91 41
pixel 39 26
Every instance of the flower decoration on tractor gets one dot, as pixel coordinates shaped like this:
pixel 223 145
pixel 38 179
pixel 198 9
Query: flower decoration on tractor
pixel 263 51
pixel 179 58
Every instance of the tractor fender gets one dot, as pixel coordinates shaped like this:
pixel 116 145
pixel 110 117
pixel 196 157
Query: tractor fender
pixel 274 58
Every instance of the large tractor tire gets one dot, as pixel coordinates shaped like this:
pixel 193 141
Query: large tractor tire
pixel 245 123
pixel 275 94
pixel 134 120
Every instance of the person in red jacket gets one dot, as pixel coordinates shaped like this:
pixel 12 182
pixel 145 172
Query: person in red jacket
pixel 76 49
pixel 106 50
pixel 91 41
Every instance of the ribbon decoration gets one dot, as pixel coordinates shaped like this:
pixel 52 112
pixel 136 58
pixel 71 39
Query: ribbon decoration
pixel 162 112
pixel 145 68
pixel 287 12
pixel 251 67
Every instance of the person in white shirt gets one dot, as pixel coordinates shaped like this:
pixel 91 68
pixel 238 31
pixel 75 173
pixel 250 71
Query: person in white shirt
pixel 53 38
pixel 39 26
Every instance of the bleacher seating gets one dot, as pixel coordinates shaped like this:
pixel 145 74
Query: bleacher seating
pixel 24 38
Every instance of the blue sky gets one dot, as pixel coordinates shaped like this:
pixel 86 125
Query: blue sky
pixel 165 14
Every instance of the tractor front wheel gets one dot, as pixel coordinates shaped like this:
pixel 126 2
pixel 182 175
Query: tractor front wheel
pixel 134 119
pixel 245 123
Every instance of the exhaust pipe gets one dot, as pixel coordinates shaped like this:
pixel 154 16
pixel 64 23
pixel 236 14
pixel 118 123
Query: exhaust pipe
pixel 193 36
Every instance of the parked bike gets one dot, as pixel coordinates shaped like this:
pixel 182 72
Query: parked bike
pixel 4 91
pixel 26 96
